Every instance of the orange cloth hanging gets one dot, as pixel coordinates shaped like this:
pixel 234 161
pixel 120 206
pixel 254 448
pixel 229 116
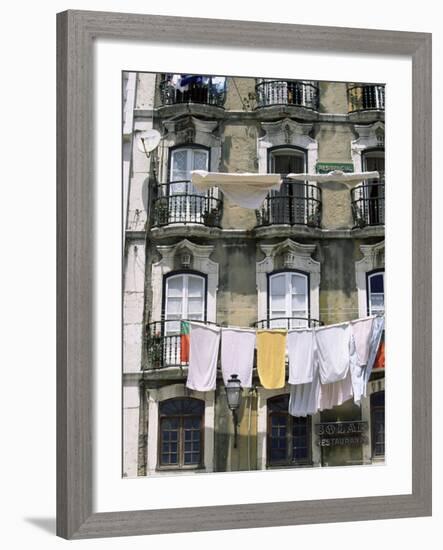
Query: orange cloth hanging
pixel 380 357
pixel 184 342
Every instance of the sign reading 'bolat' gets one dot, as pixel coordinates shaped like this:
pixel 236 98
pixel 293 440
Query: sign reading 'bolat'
pixel 332 434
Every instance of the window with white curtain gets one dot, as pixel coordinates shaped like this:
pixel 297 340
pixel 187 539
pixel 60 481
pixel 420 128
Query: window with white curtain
pixel 184 299
pixel 288 300
pixel 183 160
pixel 376 292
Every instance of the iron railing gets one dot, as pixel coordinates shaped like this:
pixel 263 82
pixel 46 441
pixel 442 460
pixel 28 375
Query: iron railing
pixel 287 323
pixel 164 344
pixel 368 203
pixel 179 202
pixel 205 93
pixel 296 203
pixel 287 92
pixel 366 97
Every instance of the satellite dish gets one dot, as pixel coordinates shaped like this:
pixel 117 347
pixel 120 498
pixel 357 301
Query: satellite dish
pixel 148 141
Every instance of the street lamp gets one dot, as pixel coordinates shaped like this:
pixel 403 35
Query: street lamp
pixel 233 395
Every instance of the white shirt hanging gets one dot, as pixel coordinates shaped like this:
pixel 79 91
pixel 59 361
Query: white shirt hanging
pixel 237 354
pixel 203 355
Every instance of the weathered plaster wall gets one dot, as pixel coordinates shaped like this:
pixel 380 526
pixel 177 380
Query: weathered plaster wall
pixel 333 98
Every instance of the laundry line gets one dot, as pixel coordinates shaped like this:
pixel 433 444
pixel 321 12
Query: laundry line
pixel 327 365
pixel 249 328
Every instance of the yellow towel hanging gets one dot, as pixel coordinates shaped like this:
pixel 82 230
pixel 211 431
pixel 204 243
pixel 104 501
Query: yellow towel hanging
pixel 271 349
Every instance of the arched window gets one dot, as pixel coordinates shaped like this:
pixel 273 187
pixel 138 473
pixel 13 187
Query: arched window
pixel 181 433
pixel 288 299
pixel 378 424
pixel 375 285
pixel 186 204
pixel 288 204
pixel 185 298
pixel 288 437
pixel 183 160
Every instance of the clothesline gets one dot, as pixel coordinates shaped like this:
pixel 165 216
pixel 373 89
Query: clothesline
pixel 327 365
pixel 269 321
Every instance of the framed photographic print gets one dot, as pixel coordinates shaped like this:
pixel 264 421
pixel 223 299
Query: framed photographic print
pixel 232 274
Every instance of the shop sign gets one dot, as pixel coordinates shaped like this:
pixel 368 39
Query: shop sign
pixel 326 167
pixel 335 434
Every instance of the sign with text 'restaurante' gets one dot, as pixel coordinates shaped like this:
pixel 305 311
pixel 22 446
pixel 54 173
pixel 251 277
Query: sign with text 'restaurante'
pixel 334 434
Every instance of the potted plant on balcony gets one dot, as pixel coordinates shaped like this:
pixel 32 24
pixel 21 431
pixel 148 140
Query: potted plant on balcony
pixel 211 217
pixel 155 349
pixel 162 211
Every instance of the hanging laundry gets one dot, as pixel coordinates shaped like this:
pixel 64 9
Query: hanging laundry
pixel 333 346
pixel 380 357
pixel 301 348
pixel 376 337
pixel 184 342
pixel 237 354
pixel 335 394
pixel 361 332
pixel 304 398
pixel 176 82
pixel 271 349
pixel 335 175
pixel 203 354
pixel 188 79
pixel 246 190
pixel 218 84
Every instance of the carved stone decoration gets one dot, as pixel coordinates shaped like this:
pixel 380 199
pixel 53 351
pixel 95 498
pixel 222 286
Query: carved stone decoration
pixel 369 137
pixel 189 130
pixel 301 259
pixel 287 132
pixel 171 256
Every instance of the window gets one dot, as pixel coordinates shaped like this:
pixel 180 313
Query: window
pixel 376 292
pixel 374 161
pixel 288 204
pixel 288 300
pixel 289 437
pixel 378 424
pixel 183 160
pixel 181 433
pixel 184 299
pixel 186 204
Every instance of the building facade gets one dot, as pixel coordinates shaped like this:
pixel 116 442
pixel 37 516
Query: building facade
pixel 312 254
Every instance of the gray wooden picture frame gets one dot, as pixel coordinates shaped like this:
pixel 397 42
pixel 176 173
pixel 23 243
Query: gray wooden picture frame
pixel 76 32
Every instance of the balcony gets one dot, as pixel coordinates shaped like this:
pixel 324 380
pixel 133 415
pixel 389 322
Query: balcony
pixel 164 345
pixel 366 97
pixel 206 91
pixel 179 202
pixel 296 203
pixel 287 323
pixel 368 204
pixel 287 92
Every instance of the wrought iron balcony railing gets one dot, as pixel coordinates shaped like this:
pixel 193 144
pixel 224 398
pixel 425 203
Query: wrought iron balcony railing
pixel 287 92
pixel 180 202
pixel 287 323
pixel 164 344
pixel 368 203
pixel 296 203
pixel 366 97
pixel 205 92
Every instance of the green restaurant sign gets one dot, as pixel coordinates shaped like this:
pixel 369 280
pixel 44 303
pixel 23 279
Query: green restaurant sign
pixel 326 167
